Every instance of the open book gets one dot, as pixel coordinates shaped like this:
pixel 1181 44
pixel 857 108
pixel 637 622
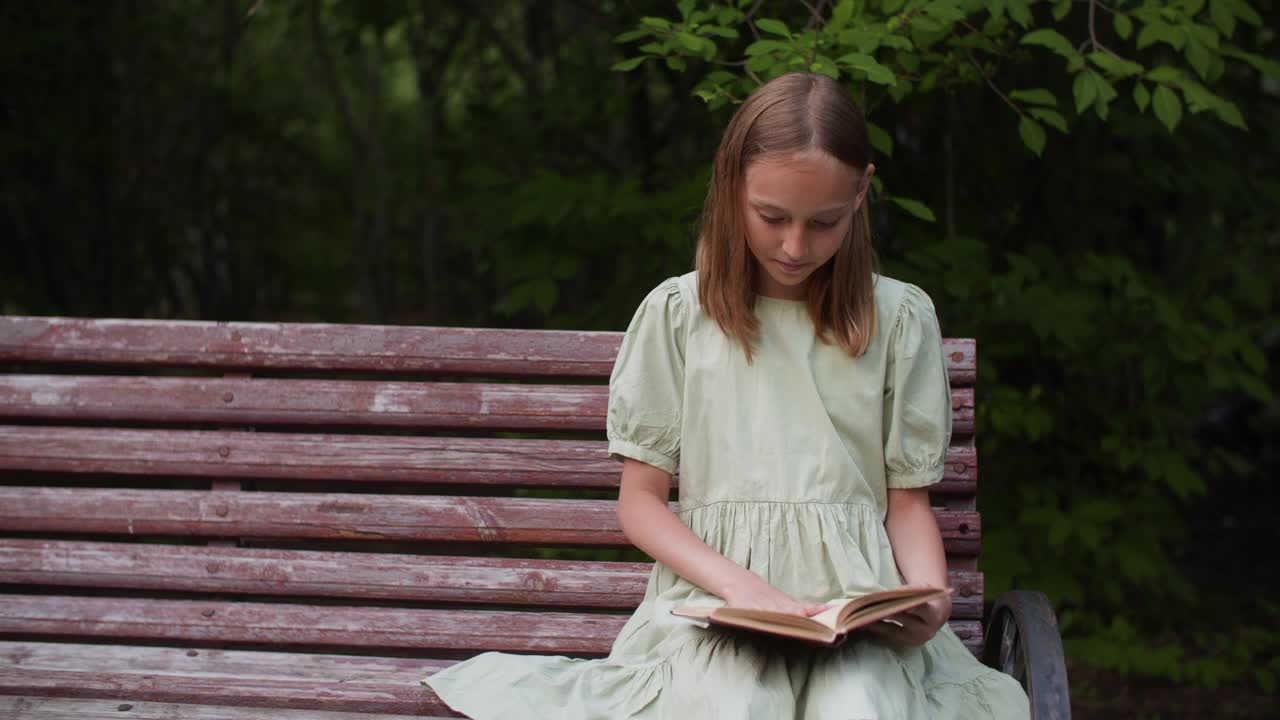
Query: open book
pixel 829 627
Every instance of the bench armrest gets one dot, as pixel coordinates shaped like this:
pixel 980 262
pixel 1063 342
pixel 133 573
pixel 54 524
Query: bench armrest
pixel 1022 640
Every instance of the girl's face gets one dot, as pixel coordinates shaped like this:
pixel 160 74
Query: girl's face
pixel 797 210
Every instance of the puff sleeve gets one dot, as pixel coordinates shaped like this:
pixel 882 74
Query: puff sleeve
pixel 917 397
pixel 646 388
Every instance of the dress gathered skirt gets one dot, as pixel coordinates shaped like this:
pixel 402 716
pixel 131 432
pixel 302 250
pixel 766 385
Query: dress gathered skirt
pixel 785 462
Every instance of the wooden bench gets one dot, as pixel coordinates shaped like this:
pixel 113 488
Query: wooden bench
pixel 205 519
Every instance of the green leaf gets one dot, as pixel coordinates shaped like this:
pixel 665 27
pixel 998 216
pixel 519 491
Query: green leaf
pixel 1035 96
pixel 1255 387
pixel 1167 106
pixel 1060 9
pixel 1222 15
pixel 1032 134
pixel 724 32
pixel 760 63
pixel 944 10
pixel 1263 65
pixel 916 208
pixel 1165 74
pixel 1053 40
pixel 677 63
pixel 880 140
pixel 1123 26
pixel 1052 118
pixel 775 27
pixel 1020 11
pixel 1141 96
pixel 629 64
pixel 1154 32
pixel 876 72
pixel 1084 91
pixel 842 13
pixel 1114 65
pixel 761 47
pixel 1246 13
pixel 1253 358
pixel 631 35
pixel 1228 113
pixel 1199 58
pixel 656 23
pixel 1204 34
pixel 690 41
pixel 823 65
pixel 924 23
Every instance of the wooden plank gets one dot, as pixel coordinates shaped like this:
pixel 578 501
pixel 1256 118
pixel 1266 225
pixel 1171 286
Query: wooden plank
pixel 355 576
pixel 962 412
pixel 312 626
pixel 303 457
pixel 251 678
pixel 318 346
pixel 347 403
pixel 309 346
pixel 273 401
pixel 350 516
pixel 46 708
pixel 256 571
pixel 300 681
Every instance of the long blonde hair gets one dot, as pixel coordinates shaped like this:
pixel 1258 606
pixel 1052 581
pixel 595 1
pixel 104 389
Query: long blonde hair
pixel 787 115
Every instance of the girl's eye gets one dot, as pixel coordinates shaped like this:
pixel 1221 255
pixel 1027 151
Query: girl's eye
pixel 823 225
pixel 773 220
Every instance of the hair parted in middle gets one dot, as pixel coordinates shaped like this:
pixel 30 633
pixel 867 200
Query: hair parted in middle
pixel 786 116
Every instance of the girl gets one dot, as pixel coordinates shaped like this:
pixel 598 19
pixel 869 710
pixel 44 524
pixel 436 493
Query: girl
pixel 805 400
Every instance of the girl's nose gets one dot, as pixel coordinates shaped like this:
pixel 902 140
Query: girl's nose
pixel 793 241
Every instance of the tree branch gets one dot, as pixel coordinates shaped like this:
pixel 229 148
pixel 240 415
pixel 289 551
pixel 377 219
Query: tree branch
pixel 992 85
pixel 330 73
pixel 1093 33
pixel 518 63
pixel 752 26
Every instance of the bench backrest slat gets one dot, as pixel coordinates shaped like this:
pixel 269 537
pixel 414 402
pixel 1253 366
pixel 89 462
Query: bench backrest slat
pixel 382 576
pixel 345 348
pixel 470 461
pixel 343 515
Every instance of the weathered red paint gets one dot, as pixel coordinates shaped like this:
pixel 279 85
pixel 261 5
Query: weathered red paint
pixel 341 515
pixel 357 458
pixel 343 403
pixel 383 576
pixel 303 346
pixel 243 678
pixel 52 708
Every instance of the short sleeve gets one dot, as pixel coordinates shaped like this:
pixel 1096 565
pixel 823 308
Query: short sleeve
pixel 646 389
pixel 917 399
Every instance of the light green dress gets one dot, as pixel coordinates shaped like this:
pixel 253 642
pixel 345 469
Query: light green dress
pixel 784 466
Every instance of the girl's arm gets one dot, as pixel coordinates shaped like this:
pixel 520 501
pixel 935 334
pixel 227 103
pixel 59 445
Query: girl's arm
pixel 649 524
pixel 917 548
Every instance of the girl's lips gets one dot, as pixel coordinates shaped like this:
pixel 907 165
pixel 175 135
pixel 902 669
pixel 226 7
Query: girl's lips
pixel 789 267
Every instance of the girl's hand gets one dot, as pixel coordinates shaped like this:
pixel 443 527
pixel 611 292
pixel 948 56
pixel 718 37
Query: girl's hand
pixel 917 625
pixel 756 594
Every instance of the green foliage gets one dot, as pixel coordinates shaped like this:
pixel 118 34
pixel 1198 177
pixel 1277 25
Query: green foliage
pixel 1116 290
